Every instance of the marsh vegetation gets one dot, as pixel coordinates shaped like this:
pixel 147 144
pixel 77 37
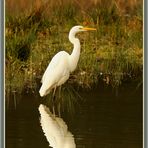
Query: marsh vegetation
pixel 36 30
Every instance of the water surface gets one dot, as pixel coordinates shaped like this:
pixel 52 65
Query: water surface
pixel 105 120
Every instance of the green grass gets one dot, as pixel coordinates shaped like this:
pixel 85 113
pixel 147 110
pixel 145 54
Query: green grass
pixel 112 53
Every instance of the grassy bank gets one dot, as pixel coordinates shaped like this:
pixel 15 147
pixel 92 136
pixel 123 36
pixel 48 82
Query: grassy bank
pixel 34 34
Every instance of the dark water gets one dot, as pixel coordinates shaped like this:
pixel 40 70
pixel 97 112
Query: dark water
pixel 103 121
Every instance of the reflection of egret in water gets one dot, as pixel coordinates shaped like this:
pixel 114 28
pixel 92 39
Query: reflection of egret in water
pixel 55 130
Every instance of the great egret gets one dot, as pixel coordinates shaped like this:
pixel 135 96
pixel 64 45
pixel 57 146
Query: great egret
pixel 55 130
pixel 62 64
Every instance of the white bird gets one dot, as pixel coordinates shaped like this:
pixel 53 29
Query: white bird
pixel 55 130
pixel 62 64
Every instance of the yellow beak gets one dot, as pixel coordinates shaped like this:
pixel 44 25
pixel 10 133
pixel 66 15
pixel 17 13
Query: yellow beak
pixel 88 29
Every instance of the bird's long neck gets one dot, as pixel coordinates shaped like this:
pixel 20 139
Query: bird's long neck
pixel 74 57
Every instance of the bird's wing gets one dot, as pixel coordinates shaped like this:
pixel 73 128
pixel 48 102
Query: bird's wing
pixel 56 73
pixel 56 60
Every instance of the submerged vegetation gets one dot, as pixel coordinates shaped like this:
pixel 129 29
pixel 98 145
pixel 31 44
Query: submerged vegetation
pixel 36 30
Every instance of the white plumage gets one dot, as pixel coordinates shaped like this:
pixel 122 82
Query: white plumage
pixel 55 130
pixel 62 64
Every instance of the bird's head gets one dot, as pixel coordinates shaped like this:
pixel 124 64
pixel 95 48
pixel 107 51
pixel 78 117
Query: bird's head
pixel 77 29
pixel 74 30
